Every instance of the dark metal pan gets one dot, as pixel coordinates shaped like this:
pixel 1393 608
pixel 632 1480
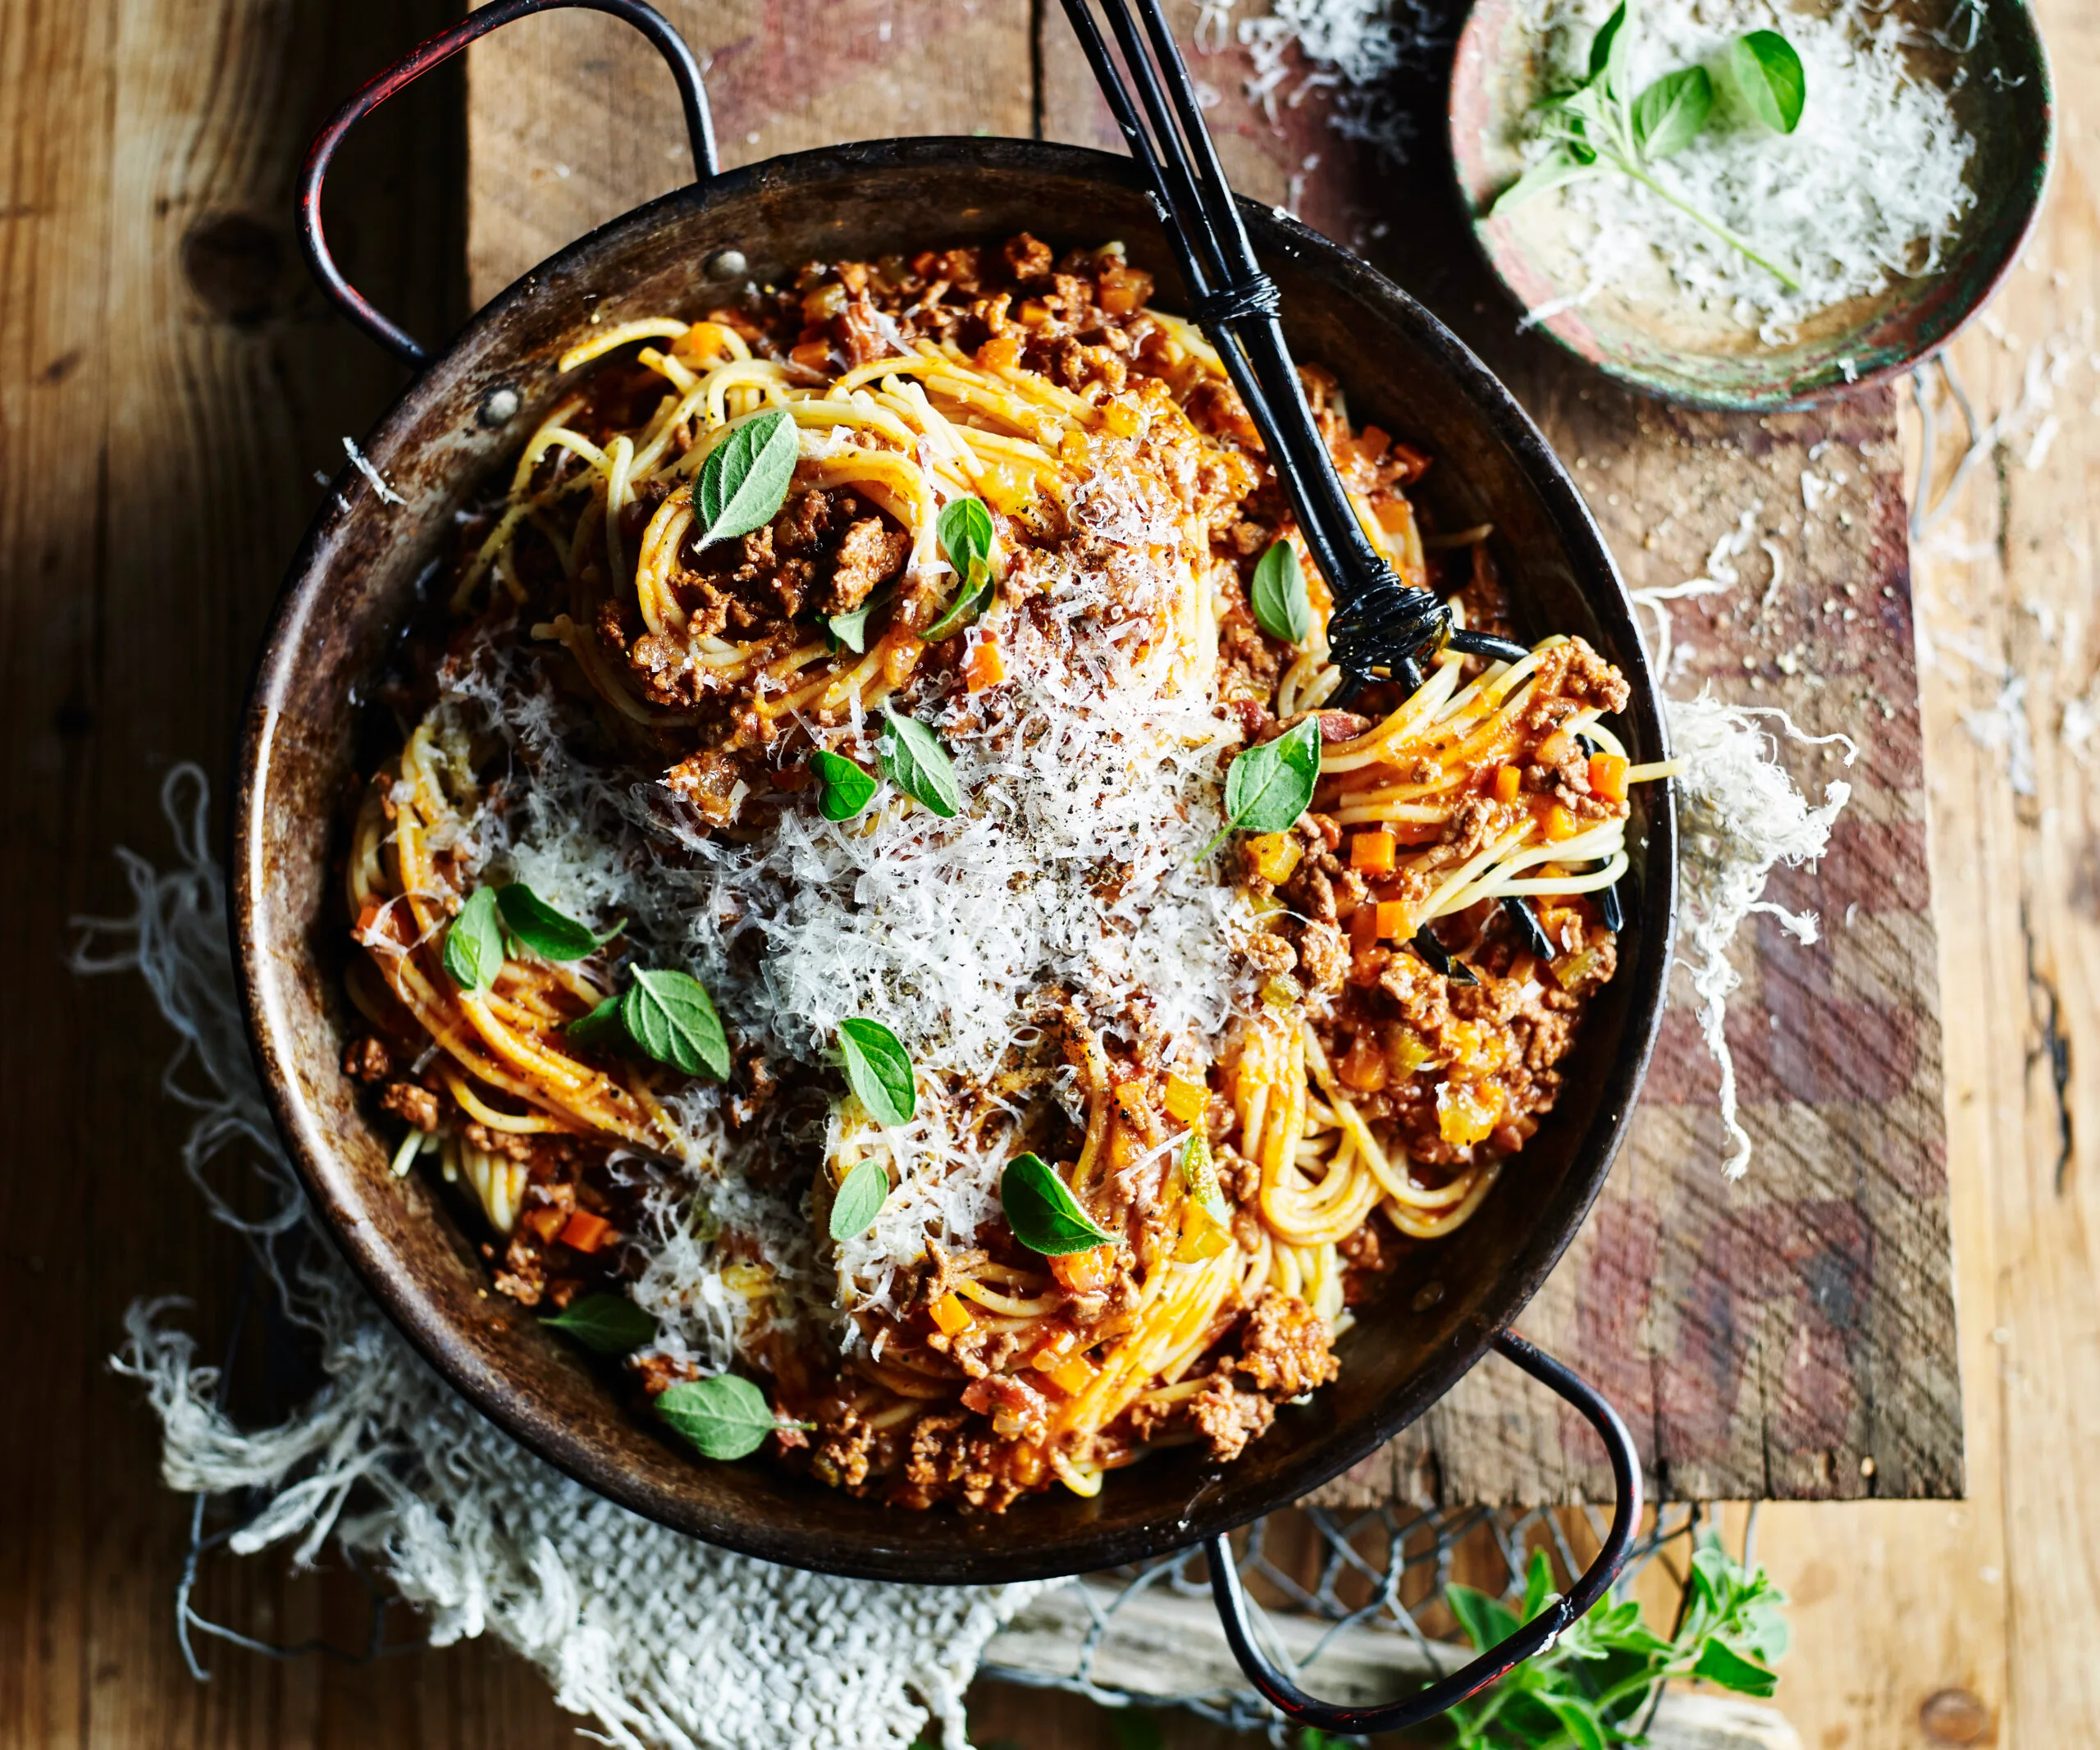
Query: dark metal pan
pixel 352 588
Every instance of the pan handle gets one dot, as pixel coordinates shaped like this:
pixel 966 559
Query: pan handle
pixel 1539 1632
pixel 652 24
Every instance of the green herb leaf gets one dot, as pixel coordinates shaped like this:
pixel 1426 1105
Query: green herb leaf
pixel 1279 597
pixel 1770 75
pixel 1609 50
pixel 1199 1180
pixel 1578 1719
pixel 612 1324
pixel 964 530
pixel 473 942
pixel 554 935
pixel 879 1069
pixel 726 1416
pixel 745 479
pixel 968 603
pixel 1668 115
pixel 601 1030
pixel 1042 1211
pixel 671 1018
pixel 1719 1663
pixel 858 1200
pixel 918 764
pixel 1538 1586
pixel 1269 786
pixel 1485 1620
pixel 844 788
pixel 1558 167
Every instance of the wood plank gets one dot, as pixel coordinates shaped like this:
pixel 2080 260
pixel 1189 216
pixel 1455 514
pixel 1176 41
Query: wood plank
pixel 1793 1335
pixel 168 385
pixel 573 119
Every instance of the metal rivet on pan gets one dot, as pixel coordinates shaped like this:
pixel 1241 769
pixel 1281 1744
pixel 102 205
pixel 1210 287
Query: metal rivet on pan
pixel 499 409
pixel 727 264
pixel 1427 1296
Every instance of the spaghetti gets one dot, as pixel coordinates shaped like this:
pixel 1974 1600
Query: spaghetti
pixel 1259 1075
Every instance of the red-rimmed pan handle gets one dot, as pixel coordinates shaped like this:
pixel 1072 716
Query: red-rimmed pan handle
pixel 1539 1632
pixel 685 69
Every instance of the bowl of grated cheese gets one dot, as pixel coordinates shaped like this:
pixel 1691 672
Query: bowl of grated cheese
pixel 1687 234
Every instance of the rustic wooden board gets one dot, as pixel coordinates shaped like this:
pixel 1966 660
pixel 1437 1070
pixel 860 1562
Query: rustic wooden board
pixel 159 426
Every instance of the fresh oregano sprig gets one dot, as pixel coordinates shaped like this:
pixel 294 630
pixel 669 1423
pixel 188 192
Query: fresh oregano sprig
pixel 1604 125
pixel 1592 1687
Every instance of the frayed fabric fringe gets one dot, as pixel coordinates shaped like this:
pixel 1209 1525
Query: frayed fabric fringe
pixel 665 1642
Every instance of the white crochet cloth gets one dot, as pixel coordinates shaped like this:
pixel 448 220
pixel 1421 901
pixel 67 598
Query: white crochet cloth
pixel 664 1641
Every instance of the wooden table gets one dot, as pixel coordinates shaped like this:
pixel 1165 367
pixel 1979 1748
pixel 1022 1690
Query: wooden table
pixel 168 386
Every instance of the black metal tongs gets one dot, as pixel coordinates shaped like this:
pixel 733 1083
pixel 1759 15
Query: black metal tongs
pixel 1382 629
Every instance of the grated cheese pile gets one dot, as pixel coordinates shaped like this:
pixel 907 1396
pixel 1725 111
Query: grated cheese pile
pixel 1090 791
pixel 1869 189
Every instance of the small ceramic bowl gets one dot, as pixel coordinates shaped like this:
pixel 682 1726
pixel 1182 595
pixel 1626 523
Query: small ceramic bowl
pixel 1665 344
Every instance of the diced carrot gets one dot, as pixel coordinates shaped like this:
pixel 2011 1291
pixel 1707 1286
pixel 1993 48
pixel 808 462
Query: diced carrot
pixel 1508 780
pixel 1084 1272
pixel 1025 1463
pixel 1392 915
pixel 370 915
pixel 1372 852
pixel 1555 747
pixel 1054 1348
pixel 1071 1375
pixel 1202 1237
pixel 1559 824
pixel 1034 313
pixel 1185 1099
pixel 1001 352
pixel 1373 443
pixel 1396 514
pixel 812 355
pixel 1072 446
pixel 1465 1112
pixel 586 1233
pixel 950 1314
pixel 545 1223
pixel 1124 290
pixel 984 668
pixel 1608 776
pixel 1131 1096
pixel 1363 1066
pixel 1275 856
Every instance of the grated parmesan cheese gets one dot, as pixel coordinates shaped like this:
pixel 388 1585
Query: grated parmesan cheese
pixel 1074 867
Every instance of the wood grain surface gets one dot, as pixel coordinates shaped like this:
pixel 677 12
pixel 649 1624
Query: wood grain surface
pixel 167 388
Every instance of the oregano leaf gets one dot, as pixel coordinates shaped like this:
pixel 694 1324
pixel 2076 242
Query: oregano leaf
pixel 601 1030
pixel 969 602
pixel 1668 115
pixel 473 942
pixel 1559 167
pixel 745 479
pixel 612 1324
pixel 878 1070
pixel 1199 1180
pixel 726 1416
pixel 1040 1209
pixel 964 530
pixel 917 764
pixel 858 1200
pixel 1768 73
pixel 851 629
pixel 1279 597
pixel 844 788
pixel 1269 786
pixel 554 934
pixel 671 1018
